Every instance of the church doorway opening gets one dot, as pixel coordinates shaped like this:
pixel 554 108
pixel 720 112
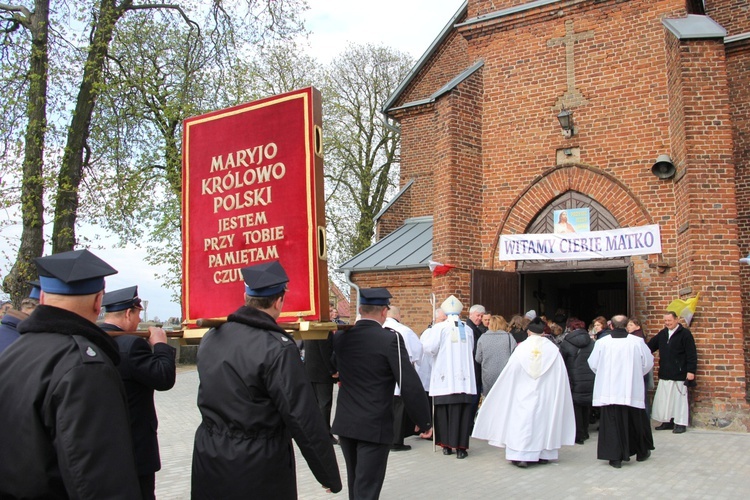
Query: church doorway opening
pixel 583 294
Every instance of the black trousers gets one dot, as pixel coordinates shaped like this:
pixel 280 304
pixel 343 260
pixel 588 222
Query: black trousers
pixel 148 486
pixel 623 431
pixel 366 463
pixel 582 414
pixel 324 396
pixel 403 426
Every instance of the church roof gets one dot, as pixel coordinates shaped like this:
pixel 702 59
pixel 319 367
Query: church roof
pixel 408 247
pixel 395 198
pixel 426 56
pixel 447 87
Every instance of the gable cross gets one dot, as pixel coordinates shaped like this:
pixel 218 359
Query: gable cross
pixel 572 97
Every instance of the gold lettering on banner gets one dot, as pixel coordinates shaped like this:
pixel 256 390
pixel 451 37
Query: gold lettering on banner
pixel 242 180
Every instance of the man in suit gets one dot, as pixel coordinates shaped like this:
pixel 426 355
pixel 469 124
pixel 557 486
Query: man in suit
pixel 371 360
pixel 678 362
pixel 142 371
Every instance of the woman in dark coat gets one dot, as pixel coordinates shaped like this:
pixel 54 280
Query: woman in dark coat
pixel 575 349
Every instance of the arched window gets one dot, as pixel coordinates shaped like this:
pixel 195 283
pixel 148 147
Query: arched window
pixel 600 218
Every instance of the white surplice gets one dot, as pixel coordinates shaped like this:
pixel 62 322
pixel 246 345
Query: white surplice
pixel 529 410
pixel 619 365
pixel 452 344
pixel 411 341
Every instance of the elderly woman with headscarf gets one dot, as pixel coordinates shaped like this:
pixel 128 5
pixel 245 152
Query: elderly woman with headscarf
pixel 494 348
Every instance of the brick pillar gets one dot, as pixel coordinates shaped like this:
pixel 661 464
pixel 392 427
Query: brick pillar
pixel 706 224
pixel 738 69
pixel 458 188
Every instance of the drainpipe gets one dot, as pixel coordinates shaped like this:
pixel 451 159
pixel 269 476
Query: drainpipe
pixel 347 276
pixel 386 122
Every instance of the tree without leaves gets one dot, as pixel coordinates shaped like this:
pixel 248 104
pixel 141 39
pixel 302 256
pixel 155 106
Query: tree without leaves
pixel 361 149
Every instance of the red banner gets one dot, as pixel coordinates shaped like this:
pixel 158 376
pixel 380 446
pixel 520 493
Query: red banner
pixel 253 192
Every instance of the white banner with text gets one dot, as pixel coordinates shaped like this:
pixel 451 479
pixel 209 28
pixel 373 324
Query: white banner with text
pixel 623 242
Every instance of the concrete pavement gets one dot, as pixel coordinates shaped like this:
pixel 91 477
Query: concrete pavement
pixel 696 465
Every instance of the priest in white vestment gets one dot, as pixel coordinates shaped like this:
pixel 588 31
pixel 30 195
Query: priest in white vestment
pixel 529 410
pixel 620 361
pixel 453 383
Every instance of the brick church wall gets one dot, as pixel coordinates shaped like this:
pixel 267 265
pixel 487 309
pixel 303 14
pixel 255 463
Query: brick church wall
pixel 738 72
pixel 410 290
pixel 733 15
pixel 637 92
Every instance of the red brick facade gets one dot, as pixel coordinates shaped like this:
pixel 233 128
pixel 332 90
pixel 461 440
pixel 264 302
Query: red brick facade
pixel 484 158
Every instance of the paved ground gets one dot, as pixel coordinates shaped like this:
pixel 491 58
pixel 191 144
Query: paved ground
pixel 695 465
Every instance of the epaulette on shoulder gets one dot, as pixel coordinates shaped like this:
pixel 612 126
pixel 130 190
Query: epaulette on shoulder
pixel 90 353
pixel 282 338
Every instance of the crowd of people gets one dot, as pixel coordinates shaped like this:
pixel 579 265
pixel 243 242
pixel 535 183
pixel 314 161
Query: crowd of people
pixel 78 395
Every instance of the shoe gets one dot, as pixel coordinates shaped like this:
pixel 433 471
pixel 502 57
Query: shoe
pixel 543 461
pixel 679 429
pixel 401 447
pixel 644 457
pixel 522 465
pixel 666 426
pixel 579 441
pixel 447 451
pixel 461 454
pixel 617 464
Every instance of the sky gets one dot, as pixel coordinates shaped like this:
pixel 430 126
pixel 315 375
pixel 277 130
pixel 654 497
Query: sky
pixel 407 25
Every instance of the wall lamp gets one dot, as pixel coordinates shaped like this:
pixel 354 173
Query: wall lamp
pixel 566 122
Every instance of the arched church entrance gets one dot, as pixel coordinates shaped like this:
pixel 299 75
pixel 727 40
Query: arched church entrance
pixel 581 288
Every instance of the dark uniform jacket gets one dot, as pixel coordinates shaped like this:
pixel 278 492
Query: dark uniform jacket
pixel 64 430
pixel 143 372
pixel 367 357
pixel 318 363
pixel 9 327
pixel 254 397
pixel 677 356
pixel 477 366
pixel 575 349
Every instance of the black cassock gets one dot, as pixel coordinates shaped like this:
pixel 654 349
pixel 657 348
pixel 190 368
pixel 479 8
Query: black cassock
pixel 623 431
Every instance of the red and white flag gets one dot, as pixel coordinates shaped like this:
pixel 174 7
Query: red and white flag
pixel 439 269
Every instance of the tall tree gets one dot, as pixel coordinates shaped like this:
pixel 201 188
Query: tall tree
pixel 361 148
pixel 224 25
pixel 159 73
pixel 32 183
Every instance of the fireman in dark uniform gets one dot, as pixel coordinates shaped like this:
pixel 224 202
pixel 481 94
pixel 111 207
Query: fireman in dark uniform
pixel 254 397
pixel 64 424
pixel 371 360
pixel 143 371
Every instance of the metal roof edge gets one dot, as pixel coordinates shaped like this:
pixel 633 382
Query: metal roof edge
pixel 458 79
pixel 736 38
pixel 413 104
pixel 694 27
pixel 395 198
pixel 384 268
pixel 425 57
pixel 507 12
